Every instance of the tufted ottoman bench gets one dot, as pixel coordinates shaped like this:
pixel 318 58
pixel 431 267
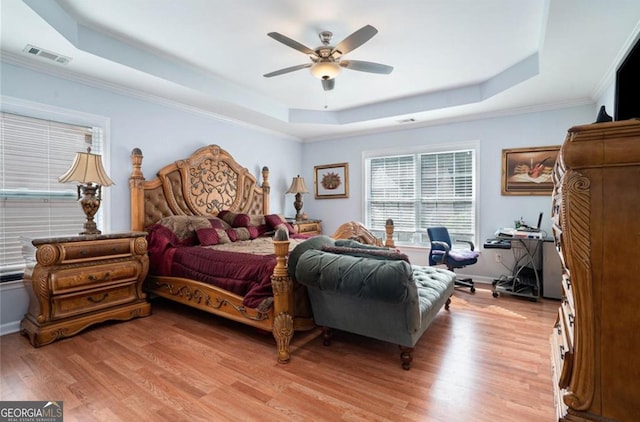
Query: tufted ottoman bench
pixel 388 300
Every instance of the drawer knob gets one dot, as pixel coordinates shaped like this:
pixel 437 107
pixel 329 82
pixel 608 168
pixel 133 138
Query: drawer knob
pixel 105 277
pixel 97 300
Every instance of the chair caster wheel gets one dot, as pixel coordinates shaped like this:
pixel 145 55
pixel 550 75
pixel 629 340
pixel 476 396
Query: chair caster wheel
pixel 473 289
pixel 494 294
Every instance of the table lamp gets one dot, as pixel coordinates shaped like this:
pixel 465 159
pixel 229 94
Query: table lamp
pixel 87 170
pixel 298 187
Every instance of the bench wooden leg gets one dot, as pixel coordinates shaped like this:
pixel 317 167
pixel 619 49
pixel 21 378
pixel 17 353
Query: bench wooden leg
pixel 446 305
pixel 326 336
pixel 405 356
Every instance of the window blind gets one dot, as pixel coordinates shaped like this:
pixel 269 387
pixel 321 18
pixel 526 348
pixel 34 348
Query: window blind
pixel 422 190
pixel 33 153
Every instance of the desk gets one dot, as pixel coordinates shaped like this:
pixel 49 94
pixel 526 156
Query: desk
pixel 524 279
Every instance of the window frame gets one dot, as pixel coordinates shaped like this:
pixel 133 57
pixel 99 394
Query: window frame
pixel 47 112
pixel 422 242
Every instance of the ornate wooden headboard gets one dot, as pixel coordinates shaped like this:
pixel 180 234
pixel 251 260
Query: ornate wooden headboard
pixel 207 182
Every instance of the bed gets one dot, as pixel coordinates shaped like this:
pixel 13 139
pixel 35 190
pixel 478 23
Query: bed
pixel 193 195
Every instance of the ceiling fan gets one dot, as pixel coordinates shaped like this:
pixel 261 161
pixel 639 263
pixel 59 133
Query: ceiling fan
pixel 326 60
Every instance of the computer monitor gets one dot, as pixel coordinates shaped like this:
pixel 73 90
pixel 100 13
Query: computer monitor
pixel 539 220
pixel 533 229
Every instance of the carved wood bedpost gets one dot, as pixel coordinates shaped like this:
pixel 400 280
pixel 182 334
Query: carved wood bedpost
pixel 136 189
pixel 389 229
pixel 266 189
pixel 282 299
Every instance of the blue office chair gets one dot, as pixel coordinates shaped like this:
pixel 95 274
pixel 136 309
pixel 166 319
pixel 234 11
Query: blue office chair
pixel 442 253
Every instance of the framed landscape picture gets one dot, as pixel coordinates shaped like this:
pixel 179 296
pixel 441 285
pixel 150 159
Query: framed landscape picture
pixel 527 171
pixel 331 181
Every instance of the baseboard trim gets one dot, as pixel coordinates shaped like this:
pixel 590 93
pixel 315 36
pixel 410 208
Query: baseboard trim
pixel 9 328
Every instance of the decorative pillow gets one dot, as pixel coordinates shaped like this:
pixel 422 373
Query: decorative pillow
pixel 208 237
pixel 218 223
pixel 367 253
pixel 258 221
pixel 223 236
pixel 182 229
pixel 199 222
pixel 275 221
pixel 235 220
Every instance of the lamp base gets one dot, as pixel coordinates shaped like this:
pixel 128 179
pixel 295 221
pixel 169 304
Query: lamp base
pixel 90 203
pixel 298 206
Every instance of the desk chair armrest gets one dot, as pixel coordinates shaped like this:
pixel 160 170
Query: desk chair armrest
pixel 468 242
pixel 441 254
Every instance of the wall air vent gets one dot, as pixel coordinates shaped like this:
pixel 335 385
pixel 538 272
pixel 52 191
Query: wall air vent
pixel 49 55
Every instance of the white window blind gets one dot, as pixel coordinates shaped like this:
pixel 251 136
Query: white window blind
pixel 33 153
pixel 422 190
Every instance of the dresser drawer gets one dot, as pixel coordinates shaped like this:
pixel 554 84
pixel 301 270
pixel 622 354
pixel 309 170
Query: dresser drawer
pixel 105 249
pixel 309 228
pixel 562 350
pixel 568 314
pixel 75 304
pixel 83 277
pixel 567 289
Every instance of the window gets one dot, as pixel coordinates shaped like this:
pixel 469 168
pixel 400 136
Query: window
pixel 420 190
pixel 33 153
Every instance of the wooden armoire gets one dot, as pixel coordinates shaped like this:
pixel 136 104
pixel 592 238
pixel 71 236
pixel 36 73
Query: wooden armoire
pixel 595 344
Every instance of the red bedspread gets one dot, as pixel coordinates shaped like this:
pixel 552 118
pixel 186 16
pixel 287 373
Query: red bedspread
pixel 245 274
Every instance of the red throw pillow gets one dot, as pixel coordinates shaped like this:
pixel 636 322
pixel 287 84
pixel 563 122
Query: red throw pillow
pixel 275 221
pixel 208 237
pixel 235 220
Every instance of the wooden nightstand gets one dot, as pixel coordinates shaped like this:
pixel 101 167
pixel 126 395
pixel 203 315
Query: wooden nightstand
pixel 310 227
pixel 74 282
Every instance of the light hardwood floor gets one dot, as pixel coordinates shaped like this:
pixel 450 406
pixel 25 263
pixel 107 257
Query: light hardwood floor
pixel 486 359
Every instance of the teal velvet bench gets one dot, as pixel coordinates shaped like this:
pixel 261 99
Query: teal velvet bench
pixel 370 291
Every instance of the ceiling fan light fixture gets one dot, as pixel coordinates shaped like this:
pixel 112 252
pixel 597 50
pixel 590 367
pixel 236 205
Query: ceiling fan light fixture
pixel 325 70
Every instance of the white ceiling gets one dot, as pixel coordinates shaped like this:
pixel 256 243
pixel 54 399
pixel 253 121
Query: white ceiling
pixel 452 59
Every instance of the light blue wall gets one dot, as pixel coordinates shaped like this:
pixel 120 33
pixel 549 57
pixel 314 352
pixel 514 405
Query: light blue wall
pixel 163 133
pixel 524 130
pixel 495 210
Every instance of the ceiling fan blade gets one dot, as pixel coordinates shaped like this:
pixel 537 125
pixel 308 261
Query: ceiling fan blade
pixel 291 43
pixel 328 84
pixel 370 67
pixel 355 40
pixel 287 70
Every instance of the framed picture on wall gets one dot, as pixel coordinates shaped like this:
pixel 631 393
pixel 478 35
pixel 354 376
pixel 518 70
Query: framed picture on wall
pixel 527 171
pixel 331 181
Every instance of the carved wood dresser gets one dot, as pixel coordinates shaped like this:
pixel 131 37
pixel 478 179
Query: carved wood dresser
pixel 596 215
pixel 74 282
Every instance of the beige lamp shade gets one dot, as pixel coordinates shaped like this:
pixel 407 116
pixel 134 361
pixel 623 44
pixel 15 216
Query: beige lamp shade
pixel 86 168
pixel 298 185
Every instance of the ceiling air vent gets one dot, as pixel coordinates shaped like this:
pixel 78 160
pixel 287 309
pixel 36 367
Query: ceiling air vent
pixel 49 55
